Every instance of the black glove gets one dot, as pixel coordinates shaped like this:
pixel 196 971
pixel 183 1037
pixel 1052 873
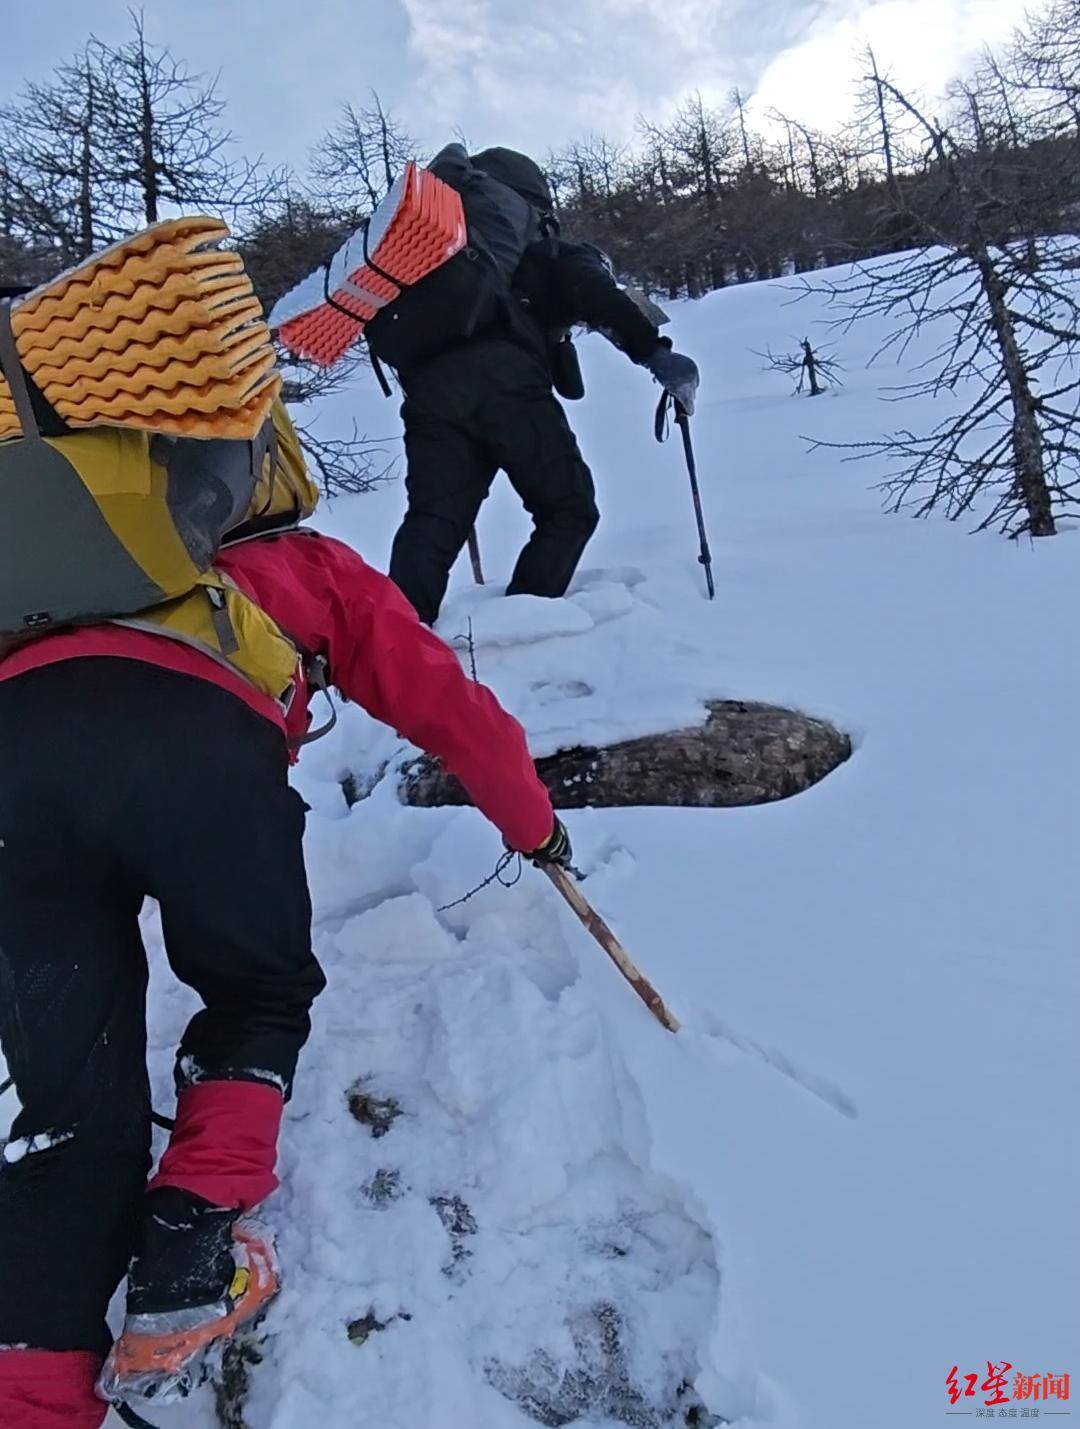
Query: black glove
pixel 556 849
pixel 678 375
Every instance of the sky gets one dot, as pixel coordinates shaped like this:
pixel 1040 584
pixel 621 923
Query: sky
pixel 527 75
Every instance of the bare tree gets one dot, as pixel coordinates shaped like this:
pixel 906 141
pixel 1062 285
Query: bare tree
pixel 878 89
pixel 53 160
pixel 346 466
pixel 749 143
pixel 1008 453
pixel 304 382
pixel 160 125
pixel 289 238
pixel 701 142
pixel 814 368
pixel 591 175
pixel 804 170
pixel 25 266
pixel 354 163
pixel 117 137
pixel 1045 61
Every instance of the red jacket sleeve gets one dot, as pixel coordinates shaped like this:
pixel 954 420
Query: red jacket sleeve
pixel 382 657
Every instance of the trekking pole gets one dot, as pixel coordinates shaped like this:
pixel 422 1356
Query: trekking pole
pixel 474 556
pixel 611 945
pixel 682 417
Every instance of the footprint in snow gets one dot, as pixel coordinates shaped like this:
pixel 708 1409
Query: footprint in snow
pixel 551 692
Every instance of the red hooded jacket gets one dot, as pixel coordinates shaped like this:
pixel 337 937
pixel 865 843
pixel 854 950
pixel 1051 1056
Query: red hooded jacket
pixel 380 656
pixel 396 669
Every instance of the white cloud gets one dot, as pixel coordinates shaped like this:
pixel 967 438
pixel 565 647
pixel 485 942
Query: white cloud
pixel 922 43
pixel 533 75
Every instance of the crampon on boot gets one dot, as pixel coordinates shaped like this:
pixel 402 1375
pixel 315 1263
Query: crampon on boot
pixel 199 1275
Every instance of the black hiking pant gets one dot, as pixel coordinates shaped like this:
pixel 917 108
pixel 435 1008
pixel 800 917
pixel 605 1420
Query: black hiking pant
pixel 120 780
pixel 482 407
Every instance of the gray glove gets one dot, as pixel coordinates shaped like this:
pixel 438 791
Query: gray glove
pixel 678 375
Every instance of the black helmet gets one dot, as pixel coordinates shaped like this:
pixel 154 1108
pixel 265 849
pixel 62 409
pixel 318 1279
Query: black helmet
pixel 518 172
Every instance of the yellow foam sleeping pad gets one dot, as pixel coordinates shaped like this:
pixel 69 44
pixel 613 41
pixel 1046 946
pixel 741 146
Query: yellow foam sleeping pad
pixel 160 333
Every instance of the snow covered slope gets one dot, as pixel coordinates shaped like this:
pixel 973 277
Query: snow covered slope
pixel 857 1166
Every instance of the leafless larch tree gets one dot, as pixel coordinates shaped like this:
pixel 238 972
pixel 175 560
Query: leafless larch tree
pixel 1005 330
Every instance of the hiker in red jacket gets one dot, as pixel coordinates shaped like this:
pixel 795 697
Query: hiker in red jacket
pixel 135 766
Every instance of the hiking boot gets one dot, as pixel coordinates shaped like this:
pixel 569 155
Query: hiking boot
pixel 200 1273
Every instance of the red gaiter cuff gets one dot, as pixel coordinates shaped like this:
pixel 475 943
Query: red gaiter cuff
pixel 49 1389
pixel 224 1144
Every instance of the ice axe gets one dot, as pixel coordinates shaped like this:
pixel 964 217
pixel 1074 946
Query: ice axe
pixel 682 418
pixel 611 945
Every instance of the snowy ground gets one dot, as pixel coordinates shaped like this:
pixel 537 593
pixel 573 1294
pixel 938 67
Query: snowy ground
pixel 857 1167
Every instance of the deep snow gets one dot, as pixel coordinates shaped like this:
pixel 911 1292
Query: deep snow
pixel 857 1166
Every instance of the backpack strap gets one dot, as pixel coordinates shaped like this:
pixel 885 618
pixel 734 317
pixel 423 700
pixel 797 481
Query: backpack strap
pixel 12 369
pixel 549 233
pixel 316 669
pixel 265 444
pixel 317 674
pixel 369 262
pixel 130 1417
pixel 380 373
pixel 288 523
pixel 224 629
pixel 376 365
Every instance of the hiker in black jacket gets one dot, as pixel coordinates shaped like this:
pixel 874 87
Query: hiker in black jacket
pixel 486 403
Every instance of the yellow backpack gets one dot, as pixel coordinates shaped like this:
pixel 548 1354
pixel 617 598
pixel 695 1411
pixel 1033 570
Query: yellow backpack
pixel 110 524
pixel 215 615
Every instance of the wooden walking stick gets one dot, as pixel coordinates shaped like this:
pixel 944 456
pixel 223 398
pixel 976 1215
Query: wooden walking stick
pixel 611 945
pixel 474 556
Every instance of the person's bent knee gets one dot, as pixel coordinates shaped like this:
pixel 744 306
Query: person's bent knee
pixel 590 518
pixel 579 517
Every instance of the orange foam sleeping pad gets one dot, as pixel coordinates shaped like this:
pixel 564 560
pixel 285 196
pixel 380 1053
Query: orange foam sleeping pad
pixel 413 232
pixel 161 332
